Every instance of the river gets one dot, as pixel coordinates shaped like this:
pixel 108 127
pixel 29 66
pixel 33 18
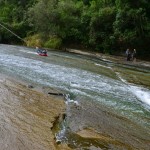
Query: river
pixel 100 88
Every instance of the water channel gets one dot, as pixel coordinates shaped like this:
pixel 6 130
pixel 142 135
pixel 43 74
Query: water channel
pixel 100 89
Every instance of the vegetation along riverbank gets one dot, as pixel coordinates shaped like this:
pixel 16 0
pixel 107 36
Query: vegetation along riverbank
pixel 103 26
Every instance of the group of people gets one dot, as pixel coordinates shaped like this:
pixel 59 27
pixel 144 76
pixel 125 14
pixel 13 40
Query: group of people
pixel 131 55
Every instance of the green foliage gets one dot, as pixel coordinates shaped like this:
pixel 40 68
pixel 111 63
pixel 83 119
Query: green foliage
pixel 13 16
pixel 53 42
pixel 101 27
pixel 108 26
pixel 34 40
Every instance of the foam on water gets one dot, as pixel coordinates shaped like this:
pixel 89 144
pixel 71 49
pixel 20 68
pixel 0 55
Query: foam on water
pixel 119 76
pixel 72 79
pixel 141 93
pixel 106 60
pixel 29 52
pixel 113 93
pixel 102 66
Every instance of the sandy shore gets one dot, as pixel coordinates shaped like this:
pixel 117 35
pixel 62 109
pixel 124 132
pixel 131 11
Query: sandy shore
pixel 27 117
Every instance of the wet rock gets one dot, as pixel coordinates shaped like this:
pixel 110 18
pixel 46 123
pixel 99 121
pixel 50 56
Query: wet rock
pixel 57 94
pixel 94 148
pixel 30 86
pixel 27 119
pixel 58 142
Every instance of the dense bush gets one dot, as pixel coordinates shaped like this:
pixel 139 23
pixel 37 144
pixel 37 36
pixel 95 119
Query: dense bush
pixel 54 43
pixel 34 41
pixel 105 26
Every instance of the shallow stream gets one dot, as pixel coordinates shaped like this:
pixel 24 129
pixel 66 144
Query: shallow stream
pixel 100 89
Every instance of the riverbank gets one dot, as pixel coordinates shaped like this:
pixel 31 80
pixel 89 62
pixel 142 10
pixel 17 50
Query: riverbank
pixel 28 117
pixel 111 58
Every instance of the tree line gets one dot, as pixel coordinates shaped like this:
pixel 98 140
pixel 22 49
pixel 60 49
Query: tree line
pixel 107 26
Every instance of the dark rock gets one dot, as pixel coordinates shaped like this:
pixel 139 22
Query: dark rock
pixel 30 86
pixel 58 94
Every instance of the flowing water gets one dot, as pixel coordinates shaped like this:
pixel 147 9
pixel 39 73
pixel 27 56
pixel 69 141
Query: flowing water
pixel 88 80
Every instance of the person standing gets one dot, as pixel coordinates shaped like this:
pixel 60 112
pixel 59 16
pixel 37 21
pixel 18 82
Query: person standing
pixel 128 53
pixel 134 55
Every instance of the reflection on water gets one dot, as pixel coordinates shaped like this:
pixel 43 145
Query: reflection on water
pixel 91 80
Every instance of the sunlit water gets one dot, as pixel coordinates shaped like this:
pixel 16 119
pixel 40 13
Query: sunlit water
pixel 80 77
